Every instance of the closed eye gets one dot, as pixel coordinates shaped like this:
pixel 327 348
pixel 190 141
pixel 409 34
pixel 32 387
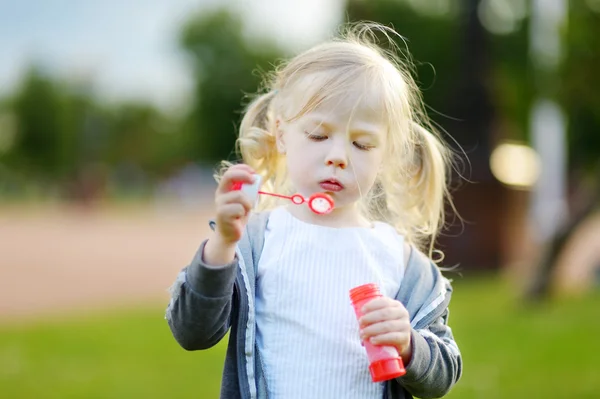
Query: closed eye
pixel 315 137
pixel 363 147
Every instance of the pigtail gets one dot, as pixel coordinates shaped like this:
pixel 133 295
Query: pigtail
pixel 429 183
pixel 256 142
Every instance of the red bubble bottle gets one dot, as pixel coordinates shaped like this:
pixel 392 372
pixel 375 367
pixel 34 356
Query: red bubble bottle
pixel 384 361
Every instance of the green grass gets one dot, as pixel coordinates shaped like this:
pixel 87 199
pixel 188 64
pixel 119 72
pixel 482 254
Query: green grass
pixel 515 350
pixel 128 354
pixel 509 350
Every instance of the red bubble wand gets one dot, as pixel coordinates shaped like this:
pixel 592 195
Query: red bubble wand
pixel 319 203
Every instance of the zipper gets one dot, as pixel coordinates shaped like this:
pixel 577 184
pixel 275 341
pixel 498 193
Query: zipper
pixel 262 370
pixel 241 329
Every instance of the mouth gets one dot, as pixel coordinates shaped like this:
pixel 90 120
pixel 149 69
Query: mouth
pixel 332 185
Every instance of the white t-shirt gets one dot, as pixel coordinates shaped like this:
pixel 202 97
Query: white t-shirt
pixel 307 332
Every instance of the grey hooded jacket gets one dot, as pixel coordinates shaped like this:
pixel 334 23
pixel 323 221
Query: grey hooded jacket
pixel 208 301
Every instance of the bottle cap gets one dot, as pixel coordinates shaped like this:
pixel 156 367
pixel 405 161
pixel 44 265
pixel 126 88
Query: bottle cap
pixel 364 291
pixel 387 369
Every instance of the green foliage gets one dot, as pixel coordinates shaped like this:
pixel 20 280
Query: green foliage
pixel 224 67
pixel 140 135
pixel 508 350
pixel 580 82
pixel 40 125
pixel 432 41
pixel 512 81
pixel 474 83
pixel 63 131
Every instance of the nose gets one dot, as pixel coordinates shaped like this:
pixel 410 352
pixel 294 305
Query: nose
pixel 337 155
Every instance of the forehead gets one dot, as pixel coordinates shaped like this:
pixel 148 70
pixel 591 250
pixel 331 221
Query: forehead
pixel 352 102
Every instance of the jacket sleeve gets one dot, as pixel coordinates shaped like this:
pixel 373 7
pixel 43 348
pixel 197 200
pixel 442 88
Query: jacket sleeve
pixel 201 303
pixel 436 363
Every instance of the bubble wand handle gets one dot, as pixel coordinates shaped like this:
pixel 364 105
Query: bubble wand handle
pixel 275 195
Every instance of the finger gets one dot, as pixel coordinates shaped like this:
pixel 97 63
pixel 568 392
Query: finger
pixel 378 303
pixel 383 314
pixel 232 211
pixel 242 166
pixel 233 176
pixel 384 328
pixel 234 197
pixel 398 339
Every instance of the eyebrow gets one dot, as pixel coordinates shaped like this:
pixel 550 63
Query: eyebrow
pixel 361 131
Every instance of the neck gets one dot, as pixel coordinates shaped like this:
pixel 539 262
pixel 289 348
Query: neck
pixel 347 216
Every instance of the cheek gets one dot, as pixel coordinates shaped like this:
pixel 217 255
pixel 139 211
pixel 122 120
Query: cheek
pixel 298 163
pixel 368 170
pixel 304 152
pixel 295 157
pixel 370 164
pixel 378 162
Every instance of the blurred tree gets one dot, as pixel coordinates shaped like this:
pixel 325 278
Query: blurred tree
pixel 223 63
pixel 50 117
pixel 580 98
pixel 134 133
pixel 145 144
pixel 580 81
pixel 66 138
pixel 39 115
pixel 578 94
pixel 511 75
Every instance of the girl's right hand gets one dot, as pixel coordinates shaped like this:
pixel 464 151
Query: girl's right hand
pixel 233 206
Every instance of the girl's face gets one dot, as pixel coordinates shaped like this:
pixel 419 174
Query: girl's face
pixel 337 148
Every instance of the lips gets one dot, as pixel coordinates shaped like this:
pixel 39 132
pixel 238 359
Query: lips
pixel 331 185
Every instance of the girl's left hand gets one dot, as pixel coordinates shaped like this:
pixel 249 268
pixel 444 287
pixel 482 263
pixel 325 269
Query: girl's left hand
pixel 385 321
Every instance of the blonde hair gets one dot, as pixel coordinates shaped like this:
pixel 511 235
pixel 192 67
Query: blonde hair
pixel 412 186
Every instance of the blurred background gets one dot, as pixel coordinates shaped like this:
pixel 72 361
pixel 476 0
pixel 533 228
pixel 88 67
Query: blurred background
pixel 113 116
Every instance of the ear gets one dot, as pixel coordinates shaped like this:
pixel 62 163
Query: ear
pixel 279 137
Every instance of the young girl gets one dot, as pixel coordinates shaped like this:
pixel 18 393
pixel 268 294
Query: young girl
pixel 343 118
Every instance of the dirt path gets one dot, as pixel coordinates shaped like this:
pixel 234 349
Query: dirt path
pixel 57 259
